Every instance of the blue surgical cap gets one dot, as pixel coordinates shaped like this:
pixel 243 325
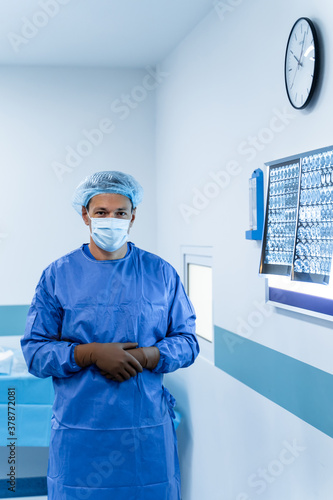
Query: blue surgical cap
pixel 110 181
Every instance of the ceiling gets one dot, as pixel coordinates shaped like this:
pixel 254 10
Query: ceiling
pixel 112 33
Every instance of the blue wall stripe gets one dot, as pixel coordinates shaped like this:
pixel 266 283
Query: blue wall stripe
pixel 302 389
pixel 24 487
pixel 12 319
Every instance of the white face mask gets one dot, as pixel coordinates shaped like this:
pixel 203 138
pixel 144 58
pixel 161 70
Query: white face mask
pixel 109 233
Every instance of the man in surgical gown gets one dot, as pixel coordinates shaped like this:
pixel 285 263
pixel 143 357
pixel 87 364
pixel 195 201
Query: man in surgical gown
pixel 106 322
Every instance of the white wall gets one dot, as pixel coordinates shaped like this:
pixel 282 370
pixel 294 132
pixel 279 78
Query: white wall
pixel 225 86
pixel 43 112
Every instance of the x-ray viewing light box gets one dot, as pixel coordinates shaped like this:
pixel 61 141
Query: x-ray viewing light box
pixel 297 245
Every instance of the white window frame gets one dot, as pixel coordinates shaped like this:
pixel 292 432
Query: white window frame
pixel 202 256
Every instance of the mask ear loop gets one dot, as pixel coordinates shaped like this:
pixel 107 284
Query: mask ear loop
pixel 90 228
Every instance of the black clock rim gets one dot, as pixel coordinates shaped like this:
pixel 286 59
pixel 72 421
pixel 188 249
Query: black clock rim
pixel 316 64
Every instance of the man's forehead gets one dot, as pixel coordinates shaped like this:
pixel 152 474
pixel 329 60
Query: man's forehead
pixel 107 199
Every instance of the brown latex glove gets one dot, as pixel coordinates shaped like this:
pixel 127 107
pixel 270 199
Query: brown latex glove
pixel 148 357
pixel 111 358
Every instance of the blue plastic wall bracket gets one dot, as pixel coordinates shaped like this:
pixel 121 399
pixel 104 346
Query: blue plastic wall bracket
pixel 256 205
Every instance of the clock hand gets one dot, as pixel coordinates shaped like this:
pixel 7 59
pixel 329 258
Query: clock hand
pixel 297 68
pixel 298 61
pixel 291 86
pixel 300 57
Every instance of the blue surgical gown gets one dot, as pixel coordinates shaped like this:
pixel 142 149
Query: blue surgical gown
pixel 110 440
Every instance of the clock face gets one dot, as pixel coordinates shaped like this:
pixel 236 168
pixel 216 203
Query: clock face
pixel 301 63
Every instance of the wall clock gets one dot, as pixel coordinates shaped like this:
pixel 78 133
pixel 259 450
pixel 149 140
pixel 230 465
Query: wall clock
pixel 301 63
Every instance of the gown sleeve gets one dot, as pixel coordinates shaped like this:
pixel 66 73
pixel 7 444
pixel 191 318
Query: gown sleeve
pixel 45 354
pixel 180 347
